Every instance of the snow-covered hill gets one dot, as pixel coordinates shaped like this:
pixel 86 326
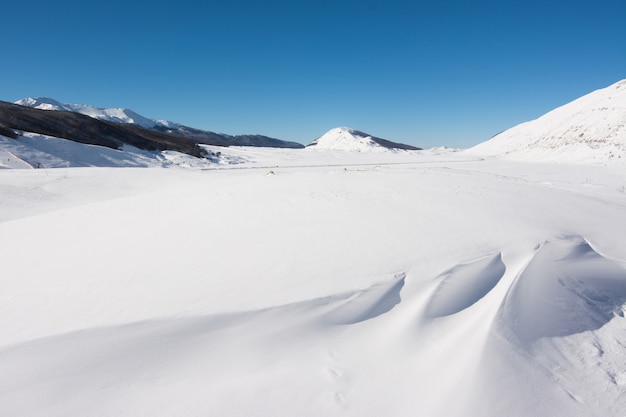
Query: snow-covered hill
pixel 118 115
pixel 589 129
pixel 347 139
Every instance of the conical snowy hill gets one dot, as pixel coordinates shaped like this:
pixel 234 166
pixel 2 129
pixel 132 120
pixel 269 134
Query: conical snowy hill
pixel 589 129
pixel 346 139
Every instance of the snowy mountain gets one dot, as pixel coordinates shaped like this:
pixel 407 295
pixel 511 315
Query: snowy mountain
pixel 346 139
pixel 126 116
pixel 117 115
pixel 80 128
pixel 589 129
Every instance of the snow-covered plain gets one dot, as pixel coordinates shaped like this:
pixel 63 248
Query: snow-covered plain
pixel 314 283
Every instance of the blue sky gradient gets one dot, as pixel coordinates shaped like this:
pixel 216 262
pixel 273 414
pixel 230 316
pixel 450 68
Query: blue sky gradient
pixel 448 73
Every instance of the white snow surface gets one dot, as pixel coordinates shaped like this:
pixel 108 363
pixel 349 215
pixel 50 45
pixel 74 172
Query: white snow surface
pixel 293 282
pixel 591 129
pixel 118 115
pixel 32 150
pixel 346 139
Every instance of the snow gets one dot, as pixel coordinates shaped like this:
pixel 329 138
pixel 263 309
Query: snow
pixel 590 129
pixel 117 115
pixel 346 284
pixel 31 150
pixel 318 281
pixel 345 139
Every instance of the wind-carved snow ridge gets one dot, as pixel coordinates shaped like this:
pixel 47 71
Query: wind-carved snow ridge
pixel 147 348
pixel 589 129
pixel 465 284
pixel 347 284
pixel 561 323
pixel 567 288
pixel 368 304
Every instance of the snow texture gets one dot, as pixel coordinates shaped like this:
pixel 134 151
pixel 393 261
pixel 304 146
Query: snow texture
pixel 117 115
pixel 31 150
pixel 346 139
pixel 591 129
pixel 294 282
pixel 345 284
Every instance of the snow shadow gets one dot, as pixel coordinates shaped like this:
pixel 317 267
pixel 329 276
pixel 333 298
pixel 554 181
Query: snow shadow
pixel 567 288
pixel 124 351
pixel 464 285
pixel 369 303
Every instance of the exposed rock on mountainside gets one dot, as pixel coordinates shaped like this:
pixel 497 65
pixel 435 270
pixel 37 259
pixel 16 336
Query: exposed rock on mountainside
pixel 9 133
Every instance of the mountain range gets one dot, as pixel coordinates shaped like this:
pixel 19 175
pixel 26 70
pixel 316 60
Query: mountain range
pixel 114 127
pixel 589 129
pixel 346 138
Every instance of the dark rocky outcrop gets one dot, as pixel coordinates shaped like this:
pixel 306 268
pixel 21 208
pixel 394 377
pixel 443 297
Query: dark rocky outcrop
pixel 7 132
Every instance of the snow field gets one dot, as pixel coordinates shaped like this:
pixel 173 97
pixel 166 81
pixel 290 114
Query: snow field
pixel 346 284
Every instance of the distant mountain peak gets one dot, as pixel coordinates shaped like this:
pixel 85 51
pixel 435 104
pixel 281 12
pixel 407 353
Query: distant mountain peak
pixel 43 103
pixel 348 139
pixel 114 114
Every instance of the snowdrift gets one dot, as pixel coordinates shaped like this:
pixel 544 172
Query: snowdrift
pixel 342 286
pixel 360 283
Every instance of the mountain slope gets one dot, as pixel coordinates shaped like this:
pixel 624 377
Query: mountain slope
pixel 221 139
pixel 122 115
pixel 84 129
pixel 346 139
pixel 589 129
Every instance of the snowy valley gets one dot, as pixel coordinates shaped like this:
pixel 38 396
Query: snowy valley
pixel 342 279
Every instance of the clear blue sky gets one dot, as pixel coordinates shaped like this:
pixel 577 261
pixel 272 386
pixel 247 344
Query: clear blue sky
pixel 428 73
